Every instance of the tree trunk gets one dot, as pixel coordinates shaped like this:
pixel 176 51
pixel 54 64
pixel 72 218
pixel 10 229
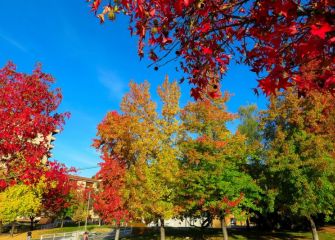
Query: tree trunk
pixel 79 224
pixel 62 223
pixel 314 231
pixel 117 232
pixel 99 221
pixel 32 223
pixel 162 229
pixel 224 228
pixel 12 230
pixel 1 226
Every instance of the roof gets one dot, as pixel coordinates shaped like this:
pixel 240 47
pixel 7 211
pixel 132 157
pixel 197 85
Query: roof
pixel 79 178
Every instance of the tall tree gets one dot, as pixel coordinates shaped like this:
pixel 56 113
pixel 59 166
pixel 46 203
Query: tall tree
pixel 214 179
pixel 146 145
pixel 28 117
pixel 249 126
pixel 277 39
pixel 300 155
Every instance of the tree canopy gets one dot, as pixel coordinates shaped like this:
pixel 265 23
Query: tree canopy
pixel 299 158
pixel 214 176
pixel 142 147
pixel 286 42
pixel 19 201
pixel 28 117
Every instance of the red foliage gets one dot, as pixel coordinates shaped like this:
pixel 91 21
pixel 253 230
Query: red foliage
pixel 59 187
pixel 3 184
pixel 27 117
pixel 27 113
pixel 108 202
pixel 275 38
pixel 229 204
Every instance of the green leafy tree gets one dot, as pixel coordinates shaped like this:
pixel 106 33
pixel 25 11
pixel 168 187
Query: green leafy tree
pixel 300 156
pixel 19 201
pixel 214 179
pixel 78 209
pixel 69 209
pixel 80 213
pixel 249 126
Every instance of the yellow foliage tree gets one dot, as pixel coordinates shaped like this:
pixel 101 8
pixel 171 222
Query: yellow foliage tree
pixel 19 201
pixel 146 142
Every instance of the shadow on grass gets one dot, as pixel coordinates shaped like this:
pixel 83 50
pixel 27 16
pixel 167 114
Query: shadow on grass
pixel 263 235
pixel 213 234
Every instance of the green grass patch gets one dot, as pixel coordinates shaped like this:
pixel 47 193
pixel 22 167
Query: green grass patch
pixel 184 234
pixel 36 234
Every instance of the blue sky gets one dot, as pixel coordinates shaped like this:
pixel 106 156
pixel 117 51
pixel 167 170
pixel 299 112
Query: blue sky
pixel 92 64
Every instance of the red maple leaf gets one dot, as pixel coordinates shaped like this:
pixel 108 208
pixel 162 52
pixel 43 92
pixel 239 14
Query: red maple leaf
pixel 264 23
pixel 95 5
pixel 268 86
pixel 207 50
pixel 196 93
pixel 205 27
pixel 321 31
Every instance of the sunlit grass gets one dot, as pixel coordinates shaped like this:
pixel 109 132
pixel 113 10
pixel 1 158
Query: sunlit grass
pixel 36 234
pixel 178 234
pixel 173 234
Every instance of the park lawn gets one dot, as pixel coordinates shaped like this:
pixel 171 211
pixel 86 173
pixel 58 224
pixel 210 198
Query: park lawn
pixel 177 234
pixel 36 234
pixel 259 236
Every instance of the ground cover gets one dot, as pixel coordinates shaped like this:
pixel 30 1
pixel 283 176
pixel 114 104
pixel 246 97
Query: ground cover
pixel 325 233
pixel 36 234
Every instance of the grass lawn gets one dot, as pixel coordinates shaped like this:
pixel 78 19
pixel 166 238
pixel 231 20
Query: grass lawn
pixel 36 234
pixel 214 234
pixel 327 233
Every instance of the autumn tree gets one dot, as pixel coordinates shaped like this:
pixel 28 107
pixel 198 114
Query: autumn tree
pixel 27 117
pixel 277 39
pixel 249 126
pixel 108 202
pixel 19 201
pixel 68 210
pixel 80 207
pixel 80 213
pixel 249 123
pixel 300 155
pixel 214 177
pixel 146 145
pixel 58 194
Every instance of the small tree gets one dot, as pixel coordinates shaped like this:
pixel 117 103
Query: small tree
pixel 19 201
pixel 69 208
pixel 59 191
pixel 80 210
pixel 108 202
